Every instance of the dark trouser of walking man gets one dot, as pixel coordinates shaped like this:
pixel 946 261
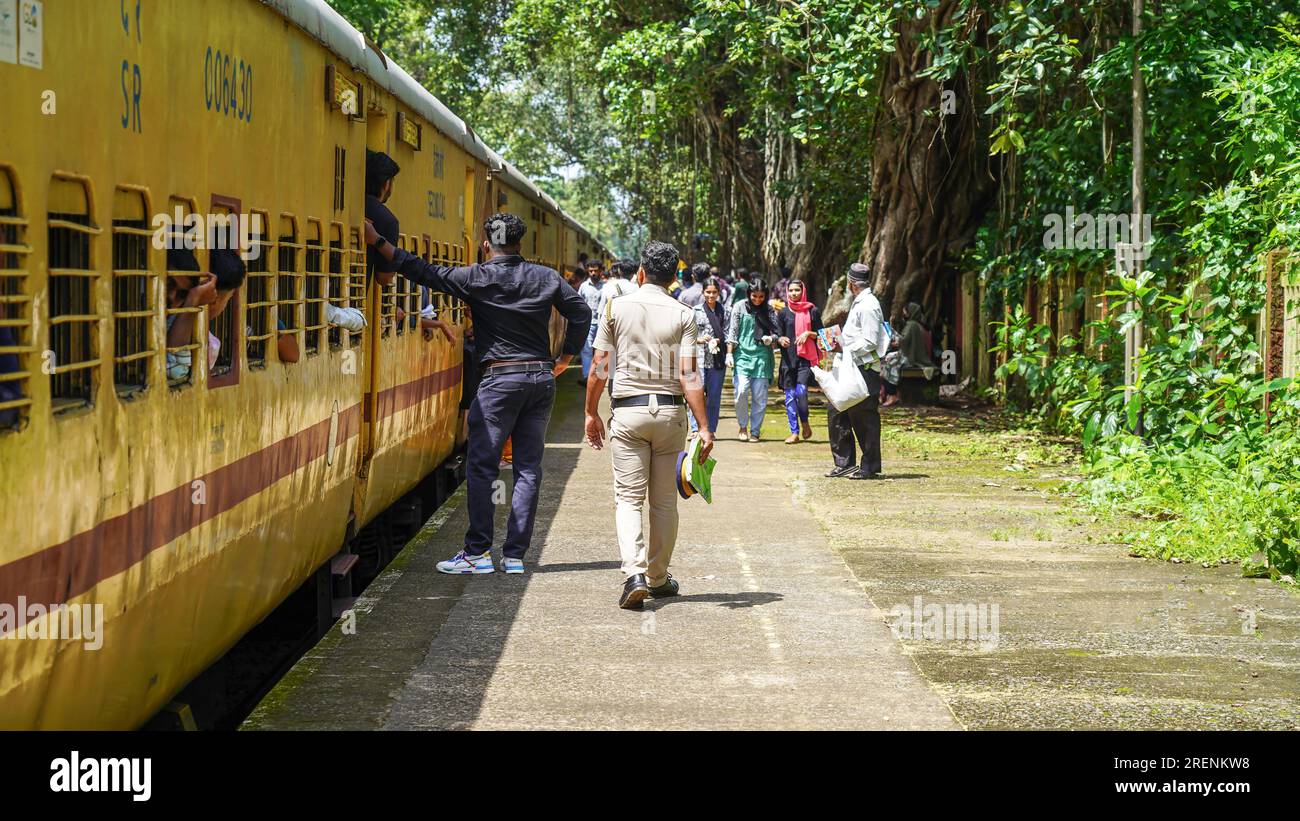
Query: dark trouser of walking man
pixel 863 338
pixel 857 427
pixel 511 301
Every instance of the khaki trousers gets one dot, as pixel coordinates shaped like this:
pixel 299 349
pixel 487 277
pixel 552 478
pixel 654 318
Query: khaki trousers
pixel 644 445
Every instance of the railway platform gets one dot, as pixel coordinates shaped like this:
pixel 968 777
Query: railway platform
pixel 771 630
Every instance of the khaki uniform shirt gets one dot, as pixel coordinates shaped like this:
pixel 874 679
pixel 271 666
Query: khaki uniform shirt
pixel 648 333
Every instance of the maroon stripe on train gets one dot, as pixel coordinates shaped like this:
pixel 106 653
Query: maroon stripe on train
pixel 55 574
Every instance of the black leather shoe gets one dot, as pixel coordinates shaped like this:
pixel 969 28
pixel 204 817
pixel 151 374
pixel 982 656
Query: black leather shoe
pixel 668 588
pixel 838 472
pixel 634 592
pixel 861 475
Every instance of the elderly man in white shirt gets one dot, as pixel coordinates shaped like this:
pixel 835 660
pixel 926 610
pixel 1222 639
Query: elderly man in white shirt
pixel 863 337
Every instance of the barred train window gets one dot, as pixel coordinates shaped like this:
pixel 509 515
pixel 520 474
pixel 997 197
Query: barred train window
pixel 412 292
pixel 337 281
pixel 180 358
pixel 340 177
pixel 388 298
pixel 73 315
pixel 286 289
pixel 133 292
pixel 356 280
pixel 400 285
pixel 226 326
pixel 315 299
pixel 15 307
pixel 259 289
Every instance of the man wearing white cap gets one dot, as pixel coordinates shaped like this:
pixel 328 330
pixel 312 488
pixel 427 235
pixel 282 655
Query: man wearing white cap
pixel 863 337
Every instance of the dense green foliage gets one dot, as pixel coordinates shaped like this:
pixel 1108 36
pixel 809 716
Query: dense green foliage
pixel 1214 475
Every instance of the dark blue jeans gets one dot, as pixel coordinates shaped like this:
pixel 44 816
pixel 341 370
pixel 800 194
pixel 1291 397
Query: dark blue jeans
pixel 518 406
pixel 712 398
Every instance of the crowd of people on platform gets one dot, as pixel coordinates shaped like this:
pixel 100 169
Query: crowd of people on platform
pixel 656 338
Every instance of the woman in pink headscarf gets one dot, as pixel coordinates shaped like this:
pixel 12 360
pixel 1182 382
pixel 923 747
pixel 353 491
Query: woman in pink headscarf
pixel 798 324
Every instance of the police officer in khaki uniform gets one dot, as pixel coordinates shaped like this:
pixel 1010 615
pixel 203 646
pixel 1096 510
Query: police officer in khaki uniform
pixel 650 336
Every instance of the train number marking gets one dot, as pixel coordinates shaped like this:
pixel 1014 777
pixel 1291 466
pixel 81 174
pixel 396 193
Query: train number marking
pixel 228 85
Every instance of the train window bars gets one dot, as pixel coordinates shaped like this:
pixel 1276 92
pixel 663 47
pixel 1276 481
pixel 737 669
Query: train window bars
pixel 315 298
pixel 388 298
pixel 286 283
pixel 15 307
pixel 73 313
pixel 259 286
pixel 180 358
pixel 340 177
pixel 134 295
pixel 413 291
pixel 356 280
pixel 338 285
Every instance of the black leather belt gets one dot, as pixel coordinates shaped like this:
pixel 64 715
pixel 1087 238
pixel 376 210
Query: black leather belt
pixel 643 400
pixel 519 367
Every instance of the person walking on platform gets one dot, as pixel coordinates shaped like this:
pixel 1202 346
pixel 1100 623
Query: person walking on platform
pixel 863 337
pixel 751 333
pixel 798 324
pixel 590 291
pixel 711 317
pixel 651 338
pixel 511 301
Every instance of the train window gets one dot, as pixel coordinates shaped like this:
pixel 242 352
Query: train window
pixel 286 282
pixel 314 296
pixel 133 292
pixel 73 313
pixel 180 356
pixel 259 285
pixel 338 283
pixel 340 177
pixel 413 291
pixel 356 280
pixel 15 307
pixel 224 233
pixel 427 252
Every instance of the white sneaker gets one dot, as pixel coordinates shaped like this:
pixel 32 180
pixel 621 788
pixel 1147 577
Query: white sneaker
pixel 462 564
pixel 349 319
pixel 512 566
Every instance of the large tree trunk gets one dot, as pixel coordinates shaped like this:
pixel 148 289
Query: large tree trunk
pixel 931 183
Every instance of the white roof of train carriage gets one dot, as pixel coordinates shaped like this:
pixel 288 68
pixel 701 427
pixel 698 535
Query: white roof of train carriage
pixel 328 27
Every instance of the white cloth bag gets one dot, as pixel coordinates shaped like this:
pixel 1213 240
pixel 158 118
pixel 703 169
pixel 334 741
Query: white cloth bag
pixel 843 385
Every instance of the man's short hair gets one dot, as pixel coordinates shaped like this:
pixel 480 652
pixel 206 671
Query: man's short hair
pixel 595 263
pixel 504 230
pixel 228 268
pixel 380 168
pixel 182 259
pixel 625 268
pixel 659 259
pixel 700 271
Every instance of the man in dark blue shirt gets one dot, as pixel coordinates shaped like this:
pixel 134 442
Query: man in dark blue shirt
pixel 380 170
pixel 511 301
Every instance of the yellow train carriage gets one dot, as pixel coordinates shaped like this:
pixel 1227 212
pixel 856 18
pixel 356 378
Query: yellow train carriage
pixel 187 507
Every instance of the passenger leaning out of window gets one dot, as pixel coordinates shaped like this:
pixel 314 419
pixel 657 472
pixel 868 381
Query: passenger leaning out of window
pixel 213 292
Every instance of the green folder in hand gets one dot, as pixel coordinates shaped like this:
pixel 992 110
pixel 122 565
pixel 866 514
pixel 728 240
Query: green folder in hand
pixel 694 476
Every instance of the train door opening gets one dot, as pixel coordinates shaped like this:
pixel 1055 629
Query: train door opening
pixel 376 140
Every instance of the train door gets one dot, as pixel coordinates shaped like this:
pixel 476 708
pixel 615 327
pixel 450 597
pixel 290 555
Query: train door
pixel 376 140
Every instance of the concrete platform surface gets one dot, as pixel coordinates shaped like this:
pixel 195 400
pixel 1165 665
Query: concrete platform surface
pixel 772 631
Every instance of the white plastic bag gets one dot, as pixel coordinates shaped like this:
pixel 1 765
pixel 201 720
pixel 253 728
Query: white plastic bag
pixel 843 385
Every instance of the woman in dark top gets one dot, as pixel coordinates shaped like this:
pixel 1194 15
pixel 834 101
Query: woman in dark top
pixel 798 324
pixel 711 318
